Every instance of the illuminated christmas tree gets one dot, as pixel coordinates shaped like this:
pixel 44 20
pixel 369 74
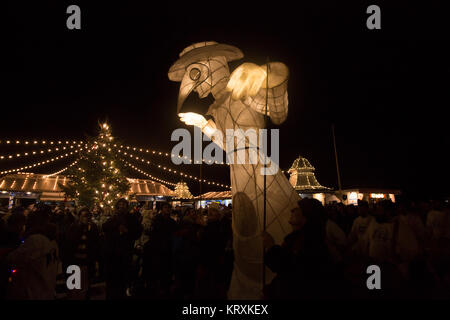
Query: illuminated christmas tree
pixel 182 191
pixel 99 177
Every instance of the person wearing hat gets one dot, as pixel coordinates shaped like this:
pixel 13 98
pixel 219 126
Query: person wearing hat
pixel 240 103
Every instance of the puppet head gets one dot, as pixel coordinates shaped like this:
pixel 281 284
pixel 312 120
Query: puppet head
pixel 203 67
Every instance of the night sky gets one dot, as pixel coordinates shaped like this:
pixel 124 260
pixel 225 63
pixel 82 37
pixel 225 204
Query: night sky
pixel 385 90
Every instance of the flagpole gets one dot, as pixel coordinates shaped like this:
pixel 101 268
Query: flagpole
pixel 265 176
pixel 337 163
pixel 201 183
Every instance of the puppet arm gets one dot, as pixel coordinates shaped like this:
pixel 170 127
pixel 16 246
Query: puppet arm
pixel 208 127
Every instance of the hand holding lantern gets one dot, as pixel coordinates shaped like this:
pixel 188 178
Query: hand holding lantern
pixel 193 119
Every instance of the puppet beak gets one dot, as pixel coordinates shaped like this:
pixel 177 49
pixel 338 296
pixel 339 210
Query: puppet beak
pixel 186 87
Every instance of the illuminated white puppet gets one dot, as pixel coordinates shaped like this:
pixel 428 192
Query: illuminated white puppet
pixel 240 100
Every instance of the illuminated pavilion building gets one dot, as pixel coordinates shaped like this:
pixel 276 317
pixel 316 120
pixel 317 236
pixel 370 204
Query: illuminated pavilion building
pixel 304 181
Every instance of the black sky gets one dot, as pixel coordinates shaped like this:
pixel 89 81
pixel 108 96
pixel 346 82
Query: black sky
pixel 386 90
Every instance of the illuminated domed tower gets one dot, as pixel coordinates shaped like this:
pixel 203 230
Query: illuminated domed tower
pixel 182 191
pixel 304 180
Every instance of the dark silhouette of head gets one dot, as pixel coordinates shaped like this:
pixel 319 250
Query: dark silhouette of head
pixel 121 206
pixel 314 227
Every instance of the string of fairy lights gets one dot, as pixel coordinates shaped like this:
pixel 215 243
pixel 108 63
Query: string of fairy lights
pixel 37 152
pixel 176 172
pixel 62 170
pixel 148 174
pixel 67 145
pixel 40 163
pixel 61 146
pixel 166 154
pixel 37 142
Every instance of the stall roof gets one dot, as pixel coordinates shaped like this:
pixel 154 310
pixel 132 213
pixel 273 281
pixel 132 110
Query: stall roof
pixel 144 187
pixel 215 195
pixel 45 184
pixel 373 190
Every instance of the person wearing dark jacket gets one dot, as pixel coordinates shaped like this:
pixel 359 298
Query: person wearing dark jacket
pixel 185 259
pixel 121 231
pixel 158 254
pixel 212 277
pixel 81 249
pixel 11 237
pixel 302 263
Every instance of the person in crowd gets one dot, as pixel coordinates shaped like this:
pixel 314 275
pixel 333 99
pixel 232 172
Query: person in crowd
pixel 336 240
pixel 121 231
pixel 382 237
pixel 157 256
pixel 213 240
pixel 35 263
pixel 340 216
pixel 446 234
pixel 410 249
pixel 4 267
pixel 29 208
pixel 136 211
pixel 424 208
pixel 97 213
pixel 11 237
pixel 444 246
pixel 99 217
pixel 188 215
pixel 82 249
pixel 435 222
pixel 186 254
pixel 381 234
pixel 70 216
pixel 437 250
pixel 302 263
pixel 15 227
pixel 411 234
pixel 58 216
pixel 357 240
pixel 351 213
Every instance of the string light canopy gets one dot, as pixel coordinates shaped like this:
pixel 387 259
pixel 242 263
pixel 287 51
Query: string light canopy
pixel 83 145
pixel 166 154
pixel 37 142
pixel 63 145
pixel 182 174
pixel 40 163
pixel 62 170
pixel 38 152
pixel 148 174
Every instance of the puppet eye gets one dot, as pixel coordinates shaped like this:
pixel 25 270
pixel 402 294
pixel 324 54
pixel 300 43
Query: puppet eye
pixel 194 74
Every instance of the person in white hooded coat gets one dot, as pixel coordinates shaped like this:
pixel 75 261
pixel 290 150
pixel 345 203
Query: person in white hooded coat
pixel 35 264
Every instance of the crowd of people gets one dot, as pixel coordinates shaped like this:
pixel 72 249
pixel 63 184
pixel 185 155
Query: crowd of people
pixel 136 252
pixel 187 253
pixel 330 249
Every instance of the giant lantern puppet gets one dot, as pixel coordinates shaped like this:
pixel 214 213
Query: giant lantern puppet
pixel 241 100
